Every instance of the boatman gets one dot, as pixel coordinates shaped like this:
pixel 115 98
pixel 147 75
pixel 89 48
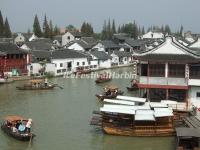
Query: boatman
pixel 46 82
pixel 28 125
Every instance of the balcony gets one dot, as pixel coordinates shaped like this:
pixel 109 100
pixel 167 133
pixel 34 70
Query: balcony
pixel 163 81
pixel 194 82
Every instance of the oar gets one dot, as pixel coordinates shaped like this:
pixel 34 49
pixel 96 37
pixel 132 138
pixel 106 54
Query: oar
pixel 30 141
pixel 56 85
pixel 59 86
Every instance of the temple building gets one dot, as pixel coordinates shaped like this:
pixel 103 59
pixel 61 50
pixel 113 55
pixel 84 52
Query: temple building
pixel 170 71
pixel 13 60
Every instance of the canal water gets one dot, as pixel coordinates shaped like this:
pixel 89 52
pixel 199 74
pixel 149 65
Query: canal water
pixel 62 116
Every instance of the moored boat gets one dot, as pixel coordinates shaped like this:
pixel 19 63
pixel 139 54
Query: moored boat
pixel 110 92
pixel 5 80
pixel 133 86
pixel 15 126
pixel 127 119
pixel 105 77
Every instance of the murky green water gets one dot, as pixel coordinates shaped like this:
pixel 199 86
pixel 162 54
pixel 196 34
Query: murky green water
pixel 61 118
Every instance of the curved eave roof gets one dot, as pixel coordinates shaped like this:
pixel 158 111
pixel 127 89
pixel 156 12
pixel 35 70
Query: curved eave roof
pixel 161 52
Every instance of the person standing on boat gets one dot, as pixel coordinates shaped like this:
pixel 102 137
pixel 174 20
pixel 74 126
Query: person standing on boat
pixel 28 125
pixel 45 82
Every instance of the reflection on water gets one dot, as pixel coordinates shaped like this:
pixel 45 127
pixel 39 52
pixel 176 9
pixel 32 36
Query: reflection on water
pixel 61 118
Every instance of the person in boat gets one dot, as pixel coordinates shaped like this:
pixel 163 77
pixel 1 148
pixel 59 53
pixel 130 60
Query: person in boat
pixel 14 129
pixel 133 83
pixel 45 82
pixel 28 125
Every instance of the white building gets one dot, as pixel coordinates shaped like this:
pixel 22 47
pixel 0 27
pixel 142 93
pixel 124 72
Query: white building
pixel 195 44
pixel 153 35
pixel 103 59
pixel 70 36
pixel 67 61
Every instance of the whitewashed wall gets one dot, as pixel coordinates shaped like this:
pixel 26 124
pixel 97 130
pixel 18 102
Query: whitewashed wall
pixel 76 46
pixel 66 38
pixel 192 93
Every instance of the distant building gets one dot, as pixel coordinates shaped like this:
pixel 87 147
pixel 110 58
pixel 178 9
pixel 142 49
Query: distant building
pixel 153 35
pixel 70 36
pixel 13 60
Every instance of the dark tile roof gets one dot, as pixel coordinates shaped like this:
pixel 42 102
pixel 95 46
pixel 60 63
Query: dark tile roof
pixel 122 54
pixel 89 40
pixel 67 53
pixel 101 55
pixel 41 44
pixel 10 48
pixel 8 40
pixel 108 44
pixel 41 54
pixel 134 43
pixel 168 57
pixel 58 38
pixel 75 33
pixel 120 36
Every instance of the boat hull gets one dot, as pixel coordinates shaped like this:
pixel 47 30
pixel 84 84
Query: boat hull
pixel 102 81
pixel 132 88
pixel 35 88
pixel 21 137
pixel 143 133
pixel 102 97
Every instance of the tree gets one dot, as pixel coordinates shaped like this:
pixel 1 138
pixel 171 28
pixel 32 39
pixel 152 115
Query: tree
pixel 50 29
pixel 46 29
pixel 119 30
pixel 1 25
pixel 109 32
pixel 167 29
pixel 104 31
pixel 7 31
pixel 70 27
pixel 181 31
pixel 36 27
pixel 143 31
pixel 56 30
pixel 87 29
pixel 113 27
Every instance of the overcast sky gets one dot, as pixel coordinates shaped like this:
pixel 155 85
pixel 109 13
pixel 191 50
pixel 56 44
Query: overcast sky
pixel 21 13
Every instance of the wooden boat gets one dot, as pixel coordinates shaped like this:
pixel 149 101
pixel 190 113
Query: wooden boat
pixel 133 86
pixel 38 84
pixel 105 77
pixel 139 120
pixel 5 80
pixel 81 70
pixel 110 92
pixel 10 123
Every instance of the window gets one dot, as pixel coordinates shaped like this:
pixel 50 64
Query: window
pixel 83 63
pixel 77 63
pixel 59 71
pixel 63 70
pixel 198 94
pixel 68 37
pixel 61 64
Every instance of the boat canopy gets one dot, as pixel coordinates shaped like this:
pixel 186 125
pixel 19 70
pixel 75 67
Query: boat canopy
pixel 36 81
pixel 163 112
pixel 157 105
pixel 119 111
pixel 111 87
pixel 134 99
pixel 120 102
pixel 14 118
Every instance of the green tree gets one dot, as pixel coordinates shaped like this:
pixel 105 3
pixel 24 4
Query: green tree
pixel 36 27
pixel 51 34
pixel 7 31
pixel 119 29
pixel 1 25
pixel 70 27
pixel 56 30
pixel 46 29
pixel 143 31
pixel 167 29
pixel 181 31
pixel 87 29
pixel 113 27
pixel 104 31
